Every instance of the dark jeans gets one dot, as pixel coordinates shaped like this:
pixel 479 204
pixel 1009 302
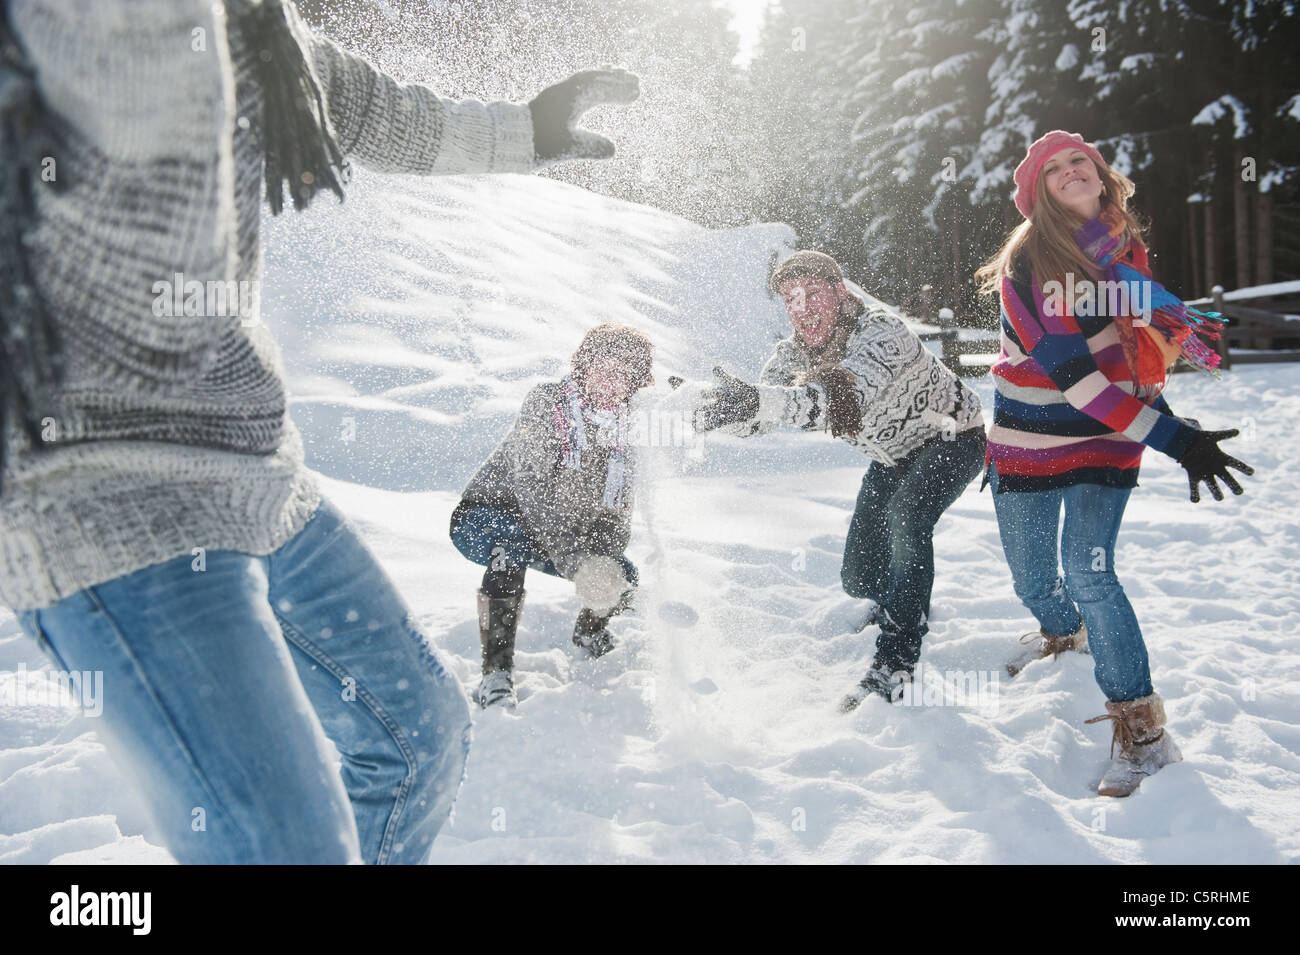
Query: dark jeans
pixel 495 538
pixel 889 553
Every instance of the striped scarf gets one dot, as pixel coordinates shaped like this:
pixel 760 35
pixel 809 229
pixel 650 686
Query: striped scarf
pixel 572 414
pixel 1175 322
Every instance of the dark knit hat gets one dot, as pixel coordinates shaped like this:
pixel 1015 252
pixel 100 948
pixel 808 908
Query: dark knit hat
pixel 623 343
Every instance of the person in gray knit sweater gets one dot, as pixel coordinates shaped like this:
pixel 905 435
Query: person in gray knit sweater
pixel 157 521
pixel 556 495
pixel 856 370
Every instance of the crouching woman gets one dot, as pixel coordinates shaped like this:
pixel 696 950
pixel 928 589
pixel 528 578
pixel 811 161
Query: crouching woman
pixel 556 496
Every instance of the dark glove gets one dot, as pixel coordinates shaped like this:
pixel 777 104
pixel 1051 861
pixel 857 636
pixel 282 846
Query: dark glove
pixel 557 109
pixel 1205 462
pixel 730 401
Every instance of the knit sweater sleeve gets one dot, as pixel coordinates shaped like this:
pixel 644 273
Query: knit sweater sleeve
pixel 1060 348
pixel 534 450
pixel 145 92
pixel 871 361
pixel 781 403
pixel 610 530
pixel 397 127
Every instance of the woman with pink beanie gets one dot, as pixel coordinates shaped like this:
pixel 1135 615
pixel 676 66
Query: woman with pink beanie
pixel 1087 339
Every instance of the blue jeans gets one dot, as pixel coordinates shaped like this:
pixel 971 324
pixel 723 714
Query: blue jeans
pixel 1029 523
pixel 218 683
pixel 487 534
pixel 889 551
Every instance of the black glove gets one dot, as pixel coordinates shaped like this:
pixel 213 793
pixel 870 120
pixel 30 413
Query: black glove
pixel 730 401
pixel 557 109
pixel 1205 462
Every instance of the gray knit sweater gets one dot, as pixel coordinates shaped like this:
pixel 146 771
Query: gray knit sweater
pixel 560 508
pixel 171 432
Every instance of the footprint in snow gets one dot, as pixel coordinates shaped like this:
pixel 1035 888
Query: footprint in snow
pixel 678 614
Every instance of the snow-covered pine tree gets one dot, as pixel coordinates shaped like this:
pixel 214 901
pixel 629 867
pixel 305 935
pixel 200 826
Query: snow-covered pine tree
pixel 798 124
pixel 917 131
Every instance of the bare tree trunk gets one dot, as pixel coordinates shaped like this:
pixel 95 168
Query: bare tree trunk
pixel 1211 257
pixel 955 280
pixel 1263 238
pixel 1241 211
pixel 1194 245
pixel 1264 200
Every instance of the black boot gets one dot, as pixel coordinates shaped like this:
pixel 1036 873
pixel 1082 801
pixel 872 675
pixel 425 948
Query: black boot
pixel 892 667
pixel 498 619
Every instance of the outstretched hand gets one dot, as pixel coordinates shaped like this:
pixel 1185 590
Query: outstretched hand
pixel 729 401
pixel 557 109
pixel 1205 462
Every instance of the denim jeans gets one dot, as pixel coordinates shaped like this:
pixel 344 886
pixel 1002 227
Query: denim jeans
pixel 223 675
pixel 483 534
pixel 1029 523
pixel 889 551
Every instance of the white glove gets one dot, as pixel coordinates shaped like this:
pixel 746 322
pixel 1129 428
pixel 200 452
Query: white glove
pixel 600 583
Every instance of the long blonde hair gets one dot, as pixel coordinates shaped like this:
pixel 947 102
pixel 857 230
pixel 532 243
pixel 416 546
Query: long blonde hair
pixel 1047 240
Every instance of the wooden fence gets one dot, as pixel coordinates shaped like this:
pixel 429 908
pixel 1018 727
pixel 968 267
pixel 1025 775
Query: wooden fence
pixel 1266 330
pixel 1264 326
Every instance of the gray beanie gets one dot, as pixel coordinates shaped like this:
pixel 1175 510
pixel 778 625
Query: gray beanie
pixel 806 263
pixel 809 264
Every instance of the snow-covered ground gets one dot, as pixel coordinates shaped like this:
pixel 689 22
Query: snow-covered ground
pixel 416 316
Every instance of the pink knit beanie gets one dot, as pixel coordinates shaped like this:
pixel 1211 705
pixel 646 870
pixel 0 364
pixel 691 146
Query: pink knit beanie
pixel 1042 150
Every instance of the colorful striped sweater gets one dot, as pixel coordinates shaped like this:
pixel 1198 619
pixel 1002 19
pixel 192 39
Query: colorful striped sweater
pixel 1064 407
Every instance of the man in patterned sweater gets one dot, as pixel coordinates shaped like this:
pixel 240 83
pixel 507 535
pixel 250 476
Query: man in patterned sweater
pixel 158 524
pixel 860 373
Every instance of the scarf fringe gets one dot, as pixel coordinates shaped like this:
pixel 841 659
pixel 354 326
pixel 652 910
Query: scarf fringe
pixel 300 147
pixel 1099 239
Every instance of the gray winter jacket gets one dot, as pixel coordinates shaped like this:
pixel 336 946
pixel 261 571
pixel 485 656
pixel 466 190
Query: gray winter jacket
pixel 560 508
pixel 171 431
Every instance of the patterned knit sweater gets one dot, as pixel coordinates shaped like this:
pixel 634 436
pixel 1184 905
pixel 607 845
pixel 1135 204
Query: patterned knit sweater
pixel 170 432
pixel 1065 410
pixel 905 394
